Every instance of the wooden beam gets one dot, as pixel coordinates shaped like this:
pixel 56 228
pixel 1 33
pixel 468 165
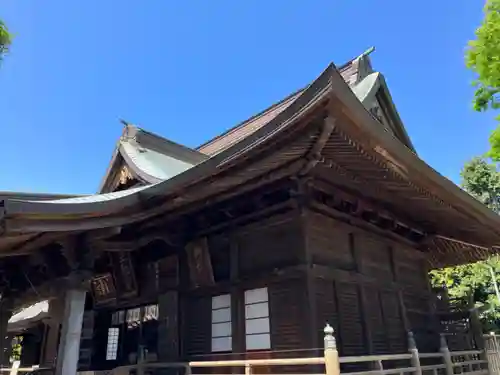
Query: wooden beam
pixel 313 156
pixel 128 245
pixel 327 186
pixel 342 276
pixel 248 217
pixel 359 223
pixel 281 172
pixel 38 241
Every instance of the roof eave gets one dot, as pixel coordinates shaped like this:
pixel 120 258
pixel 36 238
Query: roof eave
pixel 78 213
pixel 394 148
pixel 395 114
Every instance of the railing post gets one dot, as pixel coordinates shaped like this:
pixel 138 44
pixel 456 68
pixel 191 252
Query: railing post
pixel 412 348
pixel 332 365
pixel 445 351
pixel 248 369
pixel 15 366
pixel 492 357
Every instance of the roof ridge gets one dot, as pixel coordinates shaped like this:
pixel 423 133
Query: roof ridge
pixel 242 124
pixel 255 116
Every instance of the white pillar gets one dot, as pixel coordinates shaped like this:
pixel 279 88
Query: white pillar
pixel 71 330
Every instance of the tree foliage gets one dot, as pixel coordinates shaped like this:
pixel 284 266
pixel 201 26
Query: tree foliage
pixel 5 39
pixel 483 57
pixel 482 180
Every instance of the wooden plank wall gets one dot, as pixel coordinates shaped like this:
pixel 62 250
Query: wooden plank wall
pixel 261 252
pixel 370 289
pixel 276 242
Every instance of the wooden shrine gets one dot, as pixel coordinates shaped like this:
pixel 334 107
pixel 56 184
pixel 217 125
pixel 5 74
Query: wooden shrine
pixel 315 210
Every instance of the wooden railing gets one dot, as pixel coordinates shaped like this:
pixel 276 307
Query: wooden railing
pixel 444 362
pixel 16 369
pixel 492 346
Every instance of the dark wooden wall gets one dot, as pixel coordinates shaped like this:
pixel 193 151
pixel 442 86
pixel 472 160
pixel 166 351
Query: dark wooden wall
pixel 371 289
pixel 263 254
pixel 317 269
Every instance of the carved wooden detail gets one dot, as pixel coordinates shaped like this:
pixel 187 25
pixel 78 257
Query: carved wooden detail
pixel 103 289
pixel 124 176
pixel 124 274
pixel 200 264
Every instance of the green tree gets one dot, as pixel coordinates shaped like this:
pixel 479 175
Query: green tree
pixel 483 57
pixel 481 179
pixel 5 39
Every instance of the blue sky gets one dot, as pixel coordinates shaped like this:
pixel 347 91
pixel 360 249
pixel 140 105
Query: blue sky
pixel 188 70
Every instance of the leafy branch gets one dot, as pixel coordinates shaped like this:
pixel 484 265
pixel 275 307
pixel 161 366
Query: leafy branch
pixel 5 39
pixel 483 58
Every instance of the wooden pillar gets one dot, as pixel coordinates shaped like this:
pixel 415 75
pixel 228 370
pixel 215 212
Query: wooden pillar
pixel 363 298
pixel 302 195
pixel 5 344
pixel 183 287
pixel 69 345
pixel 168 327
pixel 237 308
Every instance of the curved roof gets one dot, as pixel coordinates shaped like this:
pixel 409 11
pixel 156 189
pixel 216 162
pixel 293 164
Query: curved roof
pixel 106 204
pixel 357 144
pixel 149 158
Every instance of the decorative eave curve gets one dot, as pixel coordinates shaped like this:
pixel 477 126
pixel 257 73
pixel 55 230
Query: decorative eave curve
pixel 97 211
pixel 400 159
pixel 366 90
pixel 353 119
pixel 148 158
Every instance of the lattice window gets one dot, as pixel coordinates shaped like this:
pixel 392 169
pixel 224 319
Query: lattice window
pixel 257 327
pixel 112 347
pixel 221 324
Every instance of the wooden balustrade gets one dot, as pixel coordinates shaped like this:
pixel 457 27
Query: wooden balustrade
pixel 444 362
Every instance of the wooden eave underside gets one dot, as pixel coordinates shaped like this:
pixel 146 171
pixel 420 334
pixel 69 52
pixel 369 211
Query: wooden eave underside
pixel 370 162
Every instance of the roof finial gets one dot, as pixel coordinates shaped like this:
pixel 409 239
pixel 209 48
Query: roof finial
pixel 368 51
pixel 125 123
